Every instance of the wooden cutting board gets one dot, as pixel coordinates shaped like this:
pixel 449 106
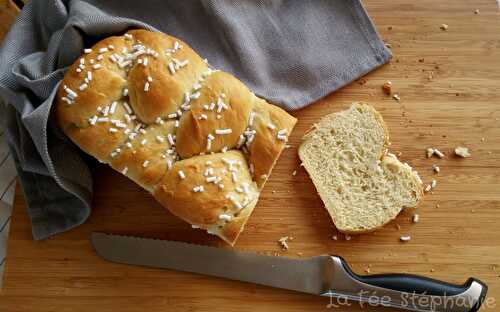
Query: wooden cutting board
pixel 449 84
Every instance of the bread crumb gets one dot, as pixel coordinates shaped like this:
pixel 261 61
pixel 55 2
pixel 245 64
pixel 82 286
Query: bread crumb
pixel 462 151
pixel 437 206
pixel 483 139
pixel 300 254
pixel 438 153
pixel 415 218
pixel 348 237
pixel 367 270
pixel 405 238
pixel 283 243
pixel 432 270
pixel 433 184
pixel 396 97
pixel 389 27
pixel 429 152
pixel 294 173
pixel 444 27
pixel 387 87
pixel 398 226
pixel 476 11
pixel 334 237
pixel 388 45
pixel 472 211
pixel 428 188
pixel 436 168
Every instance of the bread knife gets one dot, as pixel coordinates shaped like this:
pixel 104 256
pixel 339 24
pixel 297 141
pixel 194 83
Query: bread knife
pixel 326 275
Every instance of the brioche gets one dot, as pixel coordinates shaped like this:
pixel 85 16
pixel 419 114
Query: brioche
pixel 196 138
pixel 362 186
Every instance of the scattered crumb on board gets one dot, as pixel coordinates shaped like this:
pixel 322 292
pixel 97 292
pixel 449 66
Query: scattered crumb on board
pixel 405 238
pixel 433 184
pixel 438 153
pixel 387 87
pixel 462 151
pixel 283 242
pixel 415 218
pixel 430 151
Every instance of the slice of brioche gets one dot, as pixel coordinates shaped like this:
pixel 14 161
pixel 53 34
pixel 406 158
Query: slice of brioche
pixel 363 187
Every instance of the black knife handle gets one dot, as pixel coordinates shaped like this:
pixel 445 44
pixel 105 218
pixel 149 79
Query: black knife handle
pixel 406 291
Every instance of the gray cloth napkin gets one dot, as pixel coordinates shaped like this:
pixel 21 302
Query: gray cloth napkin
pixel 289 52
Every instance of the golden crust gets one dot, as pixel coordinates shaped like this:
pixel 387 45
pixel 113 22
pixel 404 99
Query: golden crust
pixel 142 102
pixel 97 140
pixel 166 91
pixel 194 128
pixel 228 196
pixel 232 230
pixel 105 87
pixel 265 148
pixel 146 148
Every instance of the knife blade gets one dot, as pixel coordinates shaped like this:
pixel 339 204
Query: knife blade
pixel 279 272
pixel 321 275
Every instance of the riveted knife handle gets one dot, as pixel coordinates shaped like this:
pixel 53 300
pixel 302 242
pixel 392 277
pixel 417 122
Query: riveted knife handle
pixel 405 291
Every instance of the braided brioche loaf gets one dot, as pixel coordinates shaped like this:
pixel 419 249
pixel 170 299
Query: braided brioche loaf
pixel 196 138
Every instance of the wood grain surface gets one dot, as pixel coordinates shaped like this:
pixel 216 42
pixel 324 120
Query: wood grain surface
pixel 457 236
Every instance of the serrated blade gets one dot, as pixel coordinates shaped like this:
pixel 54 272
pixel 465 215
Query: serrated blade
pixel 280 272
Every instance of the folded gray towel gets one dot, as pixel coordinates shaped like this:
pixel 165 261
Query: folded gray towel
pixel 289 52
